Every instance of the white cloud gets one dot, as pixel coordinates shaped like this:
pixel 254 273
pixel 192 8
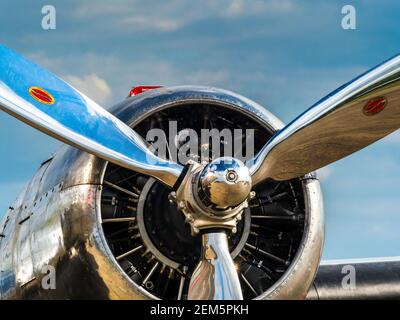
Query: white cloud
pixel 252 7
pixel 172 15
pixel 40 58
pixel 121 75
pixel 161 24
pixel 91 85
pixel 98 74
pixel 324 173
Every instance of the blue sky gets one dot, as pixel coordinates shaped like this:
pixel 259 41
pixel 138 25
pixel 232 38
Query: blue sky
pixel 284 54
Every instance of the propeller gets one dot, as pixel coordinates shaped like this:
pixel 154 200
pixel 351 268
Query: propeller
pixel 347 120
pixel 42 100
pixel 215 276
pixel 355 115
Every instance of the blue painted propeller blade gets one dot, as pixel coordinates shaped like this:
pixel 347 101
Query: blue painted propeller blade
pixel 44 101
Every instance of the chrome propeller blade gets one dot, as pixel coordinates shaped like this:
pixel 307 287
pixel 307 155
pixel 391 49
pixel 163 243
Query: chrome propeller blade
pixel 39 98
pixel 215 277
pixel 345 121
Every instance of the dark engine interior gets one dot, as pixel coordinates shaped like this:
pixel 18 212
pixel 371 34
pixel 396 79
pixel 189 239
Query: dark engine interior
pixel 149 237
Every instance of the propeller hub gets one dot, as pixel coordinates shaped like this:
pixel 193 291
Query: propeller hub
pixel 213 198
pixel 214 195
pixel 224 183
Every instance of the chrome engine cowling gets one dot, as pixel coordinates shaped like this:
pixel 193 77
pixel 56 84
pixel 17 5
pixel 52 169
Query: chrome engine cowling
pixel 112 233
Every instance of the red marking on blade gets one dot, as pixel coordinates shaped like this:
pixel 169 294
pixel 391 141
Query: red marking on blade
pixel 375 106
pixel 41 95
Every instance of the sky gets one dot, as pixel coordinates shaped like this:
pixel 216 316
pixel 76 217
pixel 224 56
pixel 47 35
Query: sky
pixel 283 54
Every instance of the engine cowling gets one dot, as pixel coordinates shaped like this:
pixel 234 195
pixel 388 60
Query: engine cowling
pixel 111 233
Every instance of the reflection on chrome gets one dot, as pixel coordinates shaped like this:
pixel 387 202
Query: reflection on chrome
pixel 75 119
pixel 334 127
pixel 215 277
